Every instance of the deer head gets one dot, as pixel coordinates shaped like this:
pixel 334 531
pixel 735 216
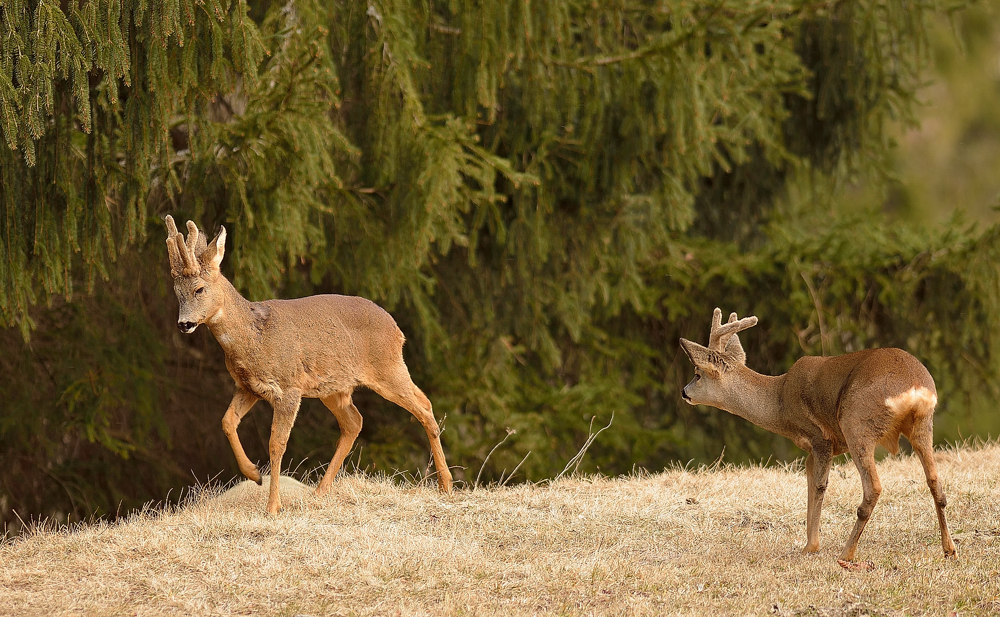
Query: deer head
pixel 714 363
pixel 194 264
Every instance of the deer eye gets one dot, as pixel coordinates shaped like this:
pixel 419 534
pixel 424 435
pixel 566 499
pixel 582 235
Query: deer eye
pixel 199 291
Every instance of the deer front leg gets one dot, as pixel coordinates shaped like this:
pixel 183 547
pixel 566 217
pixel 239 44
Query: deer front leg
pixel 285 410
pixel 240 405
pixel 817 476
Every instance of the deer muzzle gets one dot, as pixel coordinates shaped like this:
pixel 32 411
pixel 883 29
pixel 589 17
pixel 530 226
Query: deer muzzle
pixel 187 327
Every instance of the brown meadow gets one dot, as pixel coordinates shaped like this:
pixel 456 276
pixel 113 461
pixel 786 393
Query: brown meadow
pixel 714 540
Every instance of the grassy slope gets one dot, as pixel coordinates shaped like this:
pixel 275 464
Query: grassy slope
pixel 723 540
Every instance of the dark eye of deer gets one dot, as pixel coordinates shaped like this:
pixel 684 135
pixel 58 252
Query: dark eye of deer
pixel 199 290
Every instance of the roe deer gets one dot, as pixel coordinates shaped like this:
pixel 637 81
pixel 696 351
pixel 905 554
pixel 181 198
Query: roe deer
pixel 283 350
pixel 827 406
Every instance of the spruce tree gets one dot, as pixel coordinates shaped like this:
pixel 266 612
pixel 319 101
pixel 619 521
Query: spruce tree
pixel 546 195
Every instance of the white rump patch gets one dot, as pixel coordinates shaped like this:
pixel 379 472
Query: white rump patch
pixel 916 397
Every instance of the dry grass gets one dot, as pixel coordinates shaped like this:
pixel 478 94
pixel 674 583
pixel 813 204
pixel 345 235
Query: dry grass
pixel 708 541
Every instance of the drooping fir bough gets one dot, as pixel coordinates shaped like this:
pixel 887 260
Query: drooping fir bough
pixel 283 350
pixel 542 192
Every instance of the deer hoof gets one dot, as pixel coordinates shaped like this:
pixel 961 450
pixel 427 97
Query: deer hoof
pixel 255 476
pixel 853 566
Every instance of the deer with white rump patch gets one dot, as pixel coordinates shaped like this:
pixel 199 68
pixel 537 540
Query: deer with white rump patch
pixel 283 350
pixel 826 406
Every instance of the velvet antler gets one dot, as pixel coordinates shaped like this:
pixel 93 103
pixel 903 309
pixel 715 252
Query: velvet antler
pixel 721 334
pixel 184 255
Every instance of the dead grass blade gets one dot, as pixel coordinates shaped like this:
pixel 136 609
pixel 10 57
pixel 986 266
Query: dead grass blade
pixel 578 458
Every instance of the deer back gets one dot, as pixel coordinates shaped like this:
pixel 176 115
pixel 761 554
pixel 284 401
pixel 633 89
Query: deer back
pixel 318 345
pixel 886 385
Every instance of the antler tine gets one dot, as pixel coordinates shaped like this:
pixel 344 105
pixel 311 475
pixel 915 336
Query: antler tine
pixel 184 254
pixel 196 241
pixel 713 337
pixel 731 329
pixel 191 265
pixel 192 239
pixel 721 334
pixel 176 261
pixel 175 250
pixel 187 249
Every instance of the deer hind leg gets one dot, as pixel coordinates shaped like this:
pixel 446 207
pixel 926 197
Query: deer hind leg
pixel 400 389
pixel 864 460
pixel 922 439
pixel 817 477
pixel 240 405
pixel 285 410
pixel 349 419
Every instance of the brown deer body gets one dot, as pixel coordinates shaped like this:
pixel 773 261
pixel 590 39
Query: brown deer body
pixel 283 350
pixel 826 406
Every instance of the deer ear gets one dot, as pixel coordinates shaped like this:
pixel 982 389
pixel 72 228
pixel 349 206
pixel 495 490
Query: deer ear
pixel 216 250
pixel 696 353
pixel 701 357
pixel 735 349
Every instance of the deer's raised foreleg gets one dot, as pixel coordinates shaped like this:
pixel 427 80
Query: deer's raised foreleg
pixel 349 419
pixel 817 476
pixel 285 409
pixel 240 405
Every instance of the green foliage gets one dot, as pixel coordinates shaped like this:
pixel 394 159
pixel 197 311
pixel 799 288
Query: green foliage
pixel 545 195
pixel 88 93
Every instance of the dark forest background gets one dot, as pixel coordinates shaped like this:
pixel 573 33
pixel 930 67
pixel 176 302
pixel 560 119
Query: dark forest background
pixel 546 196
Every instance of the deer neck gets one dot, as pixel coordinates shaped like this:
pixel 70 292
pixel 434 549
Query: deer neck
pixel 231 324
pixel 757 398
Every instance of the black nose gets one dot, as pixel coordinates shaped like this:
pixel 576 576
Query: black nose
pixel 186 326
